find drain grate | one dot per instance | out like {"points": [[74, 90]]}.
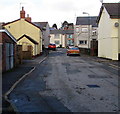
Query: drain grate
{"points": [[93, 86]]}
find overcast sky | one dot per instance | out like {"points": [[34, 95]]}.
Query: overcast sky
{"points": [[52, 11]]}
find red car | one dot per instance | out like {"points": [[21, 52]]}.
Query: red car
{"points": [[52, 46], [73, 51]]}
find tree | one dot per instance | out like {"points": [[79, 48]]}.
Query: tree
{"points": [[54, 26]]}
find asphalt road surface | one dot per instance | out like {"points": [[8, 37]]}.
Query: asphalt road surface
{"points": [[67, 84]]}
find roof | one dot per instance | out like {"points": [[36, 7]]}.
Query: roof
{"points": [[69, 31], [9, 34], [20, 19], [56, 31], [113, 10], [41, 24], [29, 38], [60, 31], [90, 20]]}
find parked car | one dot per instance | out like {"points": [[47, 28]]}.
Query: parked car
{"points": [[52, 46], [73, 51], [69, 47]]}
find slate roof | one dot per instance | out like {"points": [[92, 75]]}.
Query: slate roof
{"points": [[41, 24], [69, 31], [28, 37], [113, 10], [89, 20], [57, 31]]}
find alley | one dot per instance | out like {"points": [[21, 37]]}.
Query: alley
{"points": [[64, 83]]}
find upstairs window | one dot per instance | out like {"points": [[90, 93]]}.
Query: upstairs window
{"points": [[69, 36], [84, 29], [94, 33], [83, 42], [57, 36], [77, 29]]}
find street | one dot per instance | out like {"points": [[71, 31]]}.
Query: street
{"points": [[64, 83]]}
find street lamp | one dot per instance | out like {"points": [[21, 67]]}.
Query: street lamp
{"points": [[86, 13], [88, 28]]}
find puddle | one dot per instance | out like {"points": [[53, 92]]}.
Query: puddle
{"points": [[93, 86], [98, 76]]}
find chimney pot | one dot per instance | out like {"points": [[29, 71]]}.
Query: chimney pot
{"points": [[22, 13], [28, 18]]}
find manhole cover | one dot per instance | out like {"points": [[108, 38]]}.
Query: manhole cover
{"points": [[93, 86]]}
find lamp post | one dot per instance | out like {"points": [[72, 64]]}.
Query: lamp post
{"points": [[88, 28]]}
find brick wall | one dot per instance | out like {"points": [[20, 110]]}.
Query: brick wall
{"points": [[4, 38]]}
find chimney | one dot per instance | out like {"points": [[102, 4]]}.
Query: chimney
{"points": [[28, 18], [22, 13]]}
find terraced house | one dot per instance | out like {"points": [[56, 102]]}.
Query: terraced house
{"points": [[26, 33], [64, 36], [85, 31]]}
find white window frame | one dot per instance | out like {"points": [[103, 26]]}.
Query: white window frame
{"points": [[84, 42]]}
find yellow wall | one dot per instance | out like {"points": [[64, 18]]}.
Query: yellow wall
{"points": [[21, 27], [107, 37]]}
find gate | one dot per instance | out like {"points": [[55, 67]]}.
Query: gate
{"points": [[94, 48]]}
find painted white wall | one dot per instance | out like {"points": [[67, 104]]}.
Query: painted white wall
{"points": [[107, 37], [61, 39], [84, 36]]}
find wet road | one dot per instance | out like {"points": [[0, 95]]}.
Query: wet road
{"points": [[67, 84]]}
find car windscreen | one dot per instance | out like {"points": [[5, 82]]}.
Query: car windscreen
{"points": [[52, 44], [74, 49]]}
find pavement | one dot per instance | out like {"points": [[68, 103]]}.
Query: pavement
{"points": [[11, 77]]}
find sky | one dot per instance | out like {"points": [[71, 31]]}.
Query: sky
{"points": [[51, 11]]}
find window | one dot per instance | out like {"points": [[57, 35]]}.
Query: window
{"points": [[83, 42], [77, 29], [84, 29], [69, 36], [57, 36], [70, 42], [57, 42], [94, 33]]}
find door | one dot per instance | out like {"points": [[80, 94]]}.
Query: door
{"points": [[7, 45]]}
